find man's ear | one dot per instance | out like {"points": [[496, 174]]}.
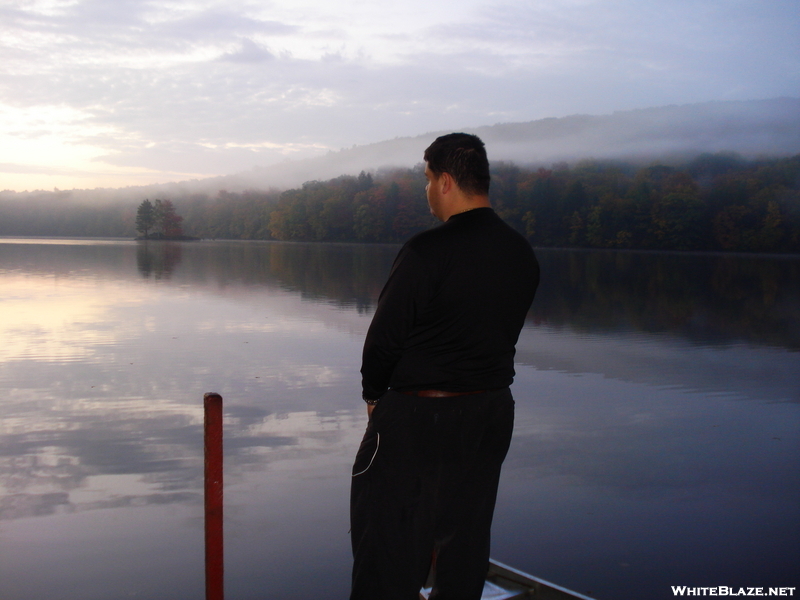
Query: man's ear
{"points": [[446, 182]]}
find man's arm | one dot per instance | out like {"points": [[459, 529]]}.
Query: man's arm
{"points": [[392, 322]]}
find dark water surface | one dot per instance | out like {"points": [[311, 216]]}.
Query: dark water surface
{"points": [[657, 440]]}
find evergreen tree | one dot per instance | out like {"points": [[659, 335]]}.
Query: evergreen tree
{"points": [[145, 217]]}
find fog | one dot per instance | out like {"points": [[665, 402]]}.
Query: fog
{"points": [[669, 134]]}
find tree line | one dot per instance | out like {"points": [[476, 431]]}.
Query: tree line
{"points": [[387, 208], [713, 202]]}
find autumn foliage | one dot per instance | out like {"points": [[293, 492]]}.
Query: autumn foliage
{"points": [[715, 202]]}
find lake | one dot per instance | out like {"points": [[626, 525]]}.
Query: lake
{"points": [[657, 437]]}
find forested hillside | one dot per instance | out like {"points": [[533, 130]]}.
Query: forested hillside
{"points": [[714, 202]]}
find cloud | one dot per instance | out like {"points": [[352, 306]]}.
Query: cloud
{"points": [[22, 168], [250, 52], [220, 23], [186, 76]]}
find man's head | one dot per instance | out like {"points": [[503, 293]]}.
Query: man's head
{"points": [[463, 157]]}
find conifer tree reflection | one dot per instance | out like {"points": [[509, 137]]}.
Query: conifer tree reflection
{"points": [[158, 259]]}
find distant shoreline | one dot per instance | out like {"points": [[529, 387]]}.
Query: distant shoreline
{"points": [[159, 237]]}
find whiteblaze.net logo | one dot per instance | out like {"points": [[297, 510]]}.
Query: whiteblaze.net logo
{"points": [[723, 590]]}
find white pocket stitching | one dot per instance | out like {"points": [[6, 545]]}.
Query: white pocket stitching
{"points": [[374, 454]]}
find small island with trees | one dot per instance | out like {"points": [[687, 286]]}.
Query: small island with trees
{"points": [[160, 221]]}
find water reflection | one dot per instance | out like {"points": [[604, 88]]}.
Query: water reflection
{"points": [[345, 275], [737, 370], [657, 418], [158, 259], [707, 299]]}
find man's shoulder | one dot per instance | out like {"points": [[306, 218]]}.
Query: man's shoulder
{"points": [[427, 240], [486, 222], [467, 229]]}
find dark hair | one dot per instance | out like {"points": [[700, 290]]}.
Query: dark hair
{"points": [[463, 157]]}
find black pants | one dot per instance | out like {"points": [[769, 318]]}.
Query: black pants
{"points": [[424, 484]]}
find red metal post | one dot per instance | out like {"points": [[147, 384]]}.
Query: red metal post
{"points": [[212, 402]]}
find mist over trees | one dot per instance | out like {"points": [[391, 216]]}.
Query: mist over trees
{"points": [[64, 214], [713, 202], [667, 134]]}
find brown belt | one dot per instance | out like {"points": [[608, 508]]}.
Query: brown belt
{"points": [[439, 393]]}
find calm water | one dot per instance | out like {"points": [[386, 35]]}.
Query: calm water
{"points": [[657, 438]]}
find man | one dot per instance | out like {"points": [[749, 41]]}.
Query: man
{"points": [[437, 363]]}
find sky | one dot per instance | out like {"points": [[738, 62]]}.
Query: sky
{"points": [[114, 93]]}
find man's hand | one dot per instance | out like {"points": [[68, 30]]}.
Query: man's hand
{"points": [[370, 408]]}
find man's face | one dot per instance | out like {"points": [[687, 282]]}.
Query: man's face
{"points": [[432, 192]]}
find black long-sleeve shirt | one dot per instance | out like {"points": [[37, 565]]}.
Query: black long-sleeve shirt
{"points": [[451, 311]]}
